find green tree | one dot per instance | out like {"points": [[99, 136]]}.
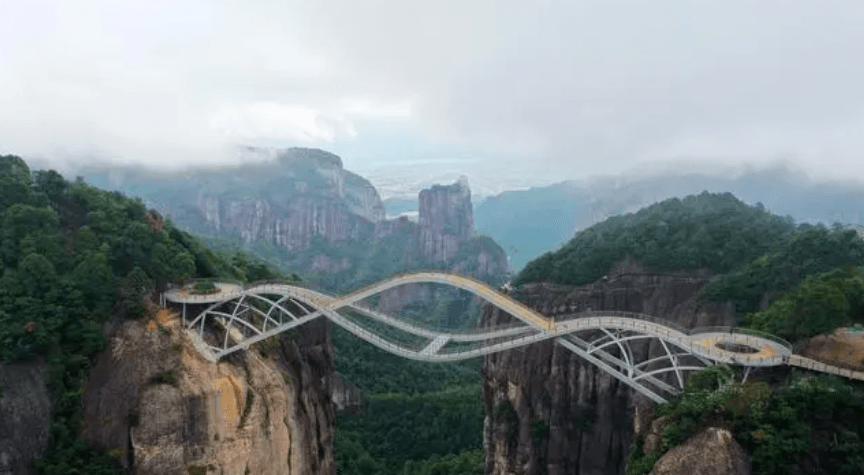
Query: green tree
{"points": [[14, 181]]}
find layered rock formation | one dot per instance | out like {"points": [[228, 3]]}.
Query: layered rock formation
{"points": [[157, 406], [446, 220], [551, 412], [288, 201], [25, 416]]}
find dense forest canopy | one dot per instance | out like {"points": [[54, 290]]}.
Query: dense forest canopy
{"points": [[811, 250], [753, 254], [71, 257], [707, 231]]}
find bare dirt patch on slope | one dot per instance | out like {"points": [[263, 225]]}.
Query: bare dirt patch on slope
{"points": [[842, 347]]}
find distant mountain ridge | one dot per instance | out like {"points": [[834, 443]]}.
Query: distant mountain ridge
{"points": [[527, 223]]}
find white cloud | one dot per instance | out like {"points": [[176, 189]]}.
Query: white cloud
{"points": [[587, 86]]}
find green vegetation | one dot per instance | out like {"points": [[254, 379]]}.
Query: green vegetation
{"points": [[71, 257], [792, 281], [469, 462], [709, 231], [375, 371], [819, 305], [806, 425], [204, 288], [433, 412], [420, 433], [811, 250], [247, 408]]}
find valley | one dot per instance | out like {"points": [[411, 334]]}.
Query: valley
{"points": [[539, 408]]}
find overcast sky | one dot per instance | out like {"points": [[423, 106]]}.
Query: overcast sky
{"points": [[592, 86]]}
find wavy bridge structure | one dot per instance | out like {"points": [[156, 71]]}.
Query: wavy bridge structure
{"points": [[235, 317]]}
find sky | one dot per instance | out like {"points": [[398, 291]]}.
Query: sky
{"points": [[571, 88]]}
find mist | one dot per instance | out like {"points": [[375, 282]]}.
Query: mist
{"points": [[588, 87]]}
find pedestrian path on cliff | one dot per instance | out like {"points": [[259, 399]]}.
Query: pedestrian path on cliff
{"points": [[234, 317]]}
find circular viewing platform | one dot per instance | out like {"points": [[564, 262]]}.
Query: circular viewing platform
{"points": [[185, 294]]}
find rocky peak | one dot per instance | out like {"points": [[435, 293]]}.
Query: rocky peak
{"points": [[446, 220]]}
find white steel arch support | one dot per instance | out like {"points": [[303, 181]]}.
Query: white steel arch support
{"points": [[615, 328]]}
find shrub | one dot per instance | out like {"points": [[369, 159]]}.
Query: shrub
{"points": [[204, 288]]}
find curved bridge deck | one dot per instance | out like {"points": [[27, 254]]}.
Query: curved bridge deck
{"points": [[242, 316]]}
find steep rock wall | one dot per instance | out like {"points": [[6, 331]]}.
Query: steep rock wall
{"points": [[25, 416], [444, 234], [291, 224], [446, 220], [164, 410], [550, 412]]}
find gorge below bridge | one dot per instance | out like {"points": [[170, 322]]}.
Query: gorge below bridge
{"points": [[235, 317]]}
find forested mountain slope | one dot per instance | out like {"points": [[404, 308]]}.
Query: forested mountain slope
{"points": [[528, 223], [708, 231], [766, 272], [72, 258]]}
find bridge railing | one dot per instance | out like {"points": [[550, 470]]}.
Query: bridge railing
{"points": [[404, 275], [677, 326], [825, 362], [212, 280], [618, 313], [832, 368], [211, 297], [743, 331]]}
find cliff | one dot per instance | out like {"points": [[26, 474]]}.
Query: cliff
{"points": [[550, 412], [317, 218], [446, 220], [441, 239], [161, 409], [25, 416]]}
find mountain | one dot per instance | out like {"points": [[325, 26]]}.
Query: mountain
{"points": [[299, 207], [528, 223], [95, 379], [700, 261]]}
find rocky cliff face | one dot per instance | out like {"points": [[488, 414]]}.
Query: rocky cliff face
{"points": [[550, 412], [318, 216], [302, 194], [161, 409], [285, 197], [446, 220], [25, 416], [442, 237]]}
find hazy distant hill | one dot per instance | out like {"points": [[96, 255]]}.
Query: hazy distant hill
{"points": [[528, 223]]}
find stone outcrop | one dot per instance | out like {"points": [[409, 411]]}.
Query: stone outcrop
{"points": [[711, 452], [446, 220], [25, 416], [654, 437], [548, 411], [160, 408], [442, 237]]}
